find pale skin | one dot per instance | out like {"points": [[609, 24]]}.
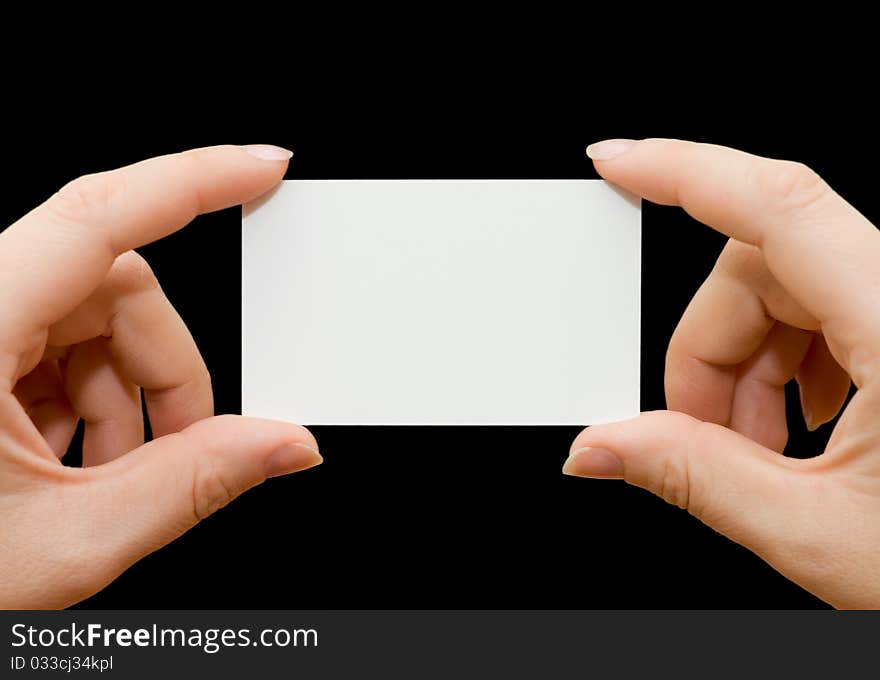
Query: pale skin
{"points": [[85, 328], [795, 294]]}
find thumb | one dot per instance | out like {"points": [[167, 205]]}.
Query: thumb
{"points": [[160, 490], [734, 485]]}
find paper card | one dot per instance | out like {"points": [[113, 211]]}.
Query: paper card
{"points": [[441, 302]]}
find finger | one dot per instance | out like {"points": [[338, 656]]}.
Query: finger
{"points": [[773, 505], [53, 257], [734, 485], [824, 385], [758, 409], [724, 325], [148, 341], [42, 396], [709, 341], [816, 245], [169, 484], [109, 404]]}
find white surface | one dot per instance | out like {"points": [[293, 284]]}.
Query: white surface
{"points": [[441, 302]]}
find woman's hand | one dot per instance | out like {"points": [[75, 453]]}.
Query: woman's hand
{"points": [[795, 294], [84, 326]]}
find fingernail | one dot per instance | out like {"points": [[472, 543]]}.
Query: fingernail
{"points": [[267, 152], [291, 457], [595, 463], [610, 148], [812, 426]]}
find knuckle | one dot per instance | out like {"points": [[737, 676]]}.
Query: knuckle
{"points": [[741, 260], [666, 421], [225, 419], [744, 263], [679, 483], [80, 199], [791, 186], [210, 490], [193, 163], [675, 482], [132, 273], [702, 489]]}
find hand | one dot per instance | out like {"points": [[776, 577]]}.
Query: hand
{"points": [[795, 294], [83, 327]]}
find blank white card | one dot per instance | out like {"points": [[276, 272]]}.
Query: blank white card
{"points": [[441, 302]]}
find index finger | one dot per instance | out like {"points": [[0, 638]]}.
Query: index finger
{"points": [[821, 249], [53, 257]]}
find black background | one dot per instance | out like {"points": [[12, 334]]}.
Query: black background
{"points": [[438, 517]]}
